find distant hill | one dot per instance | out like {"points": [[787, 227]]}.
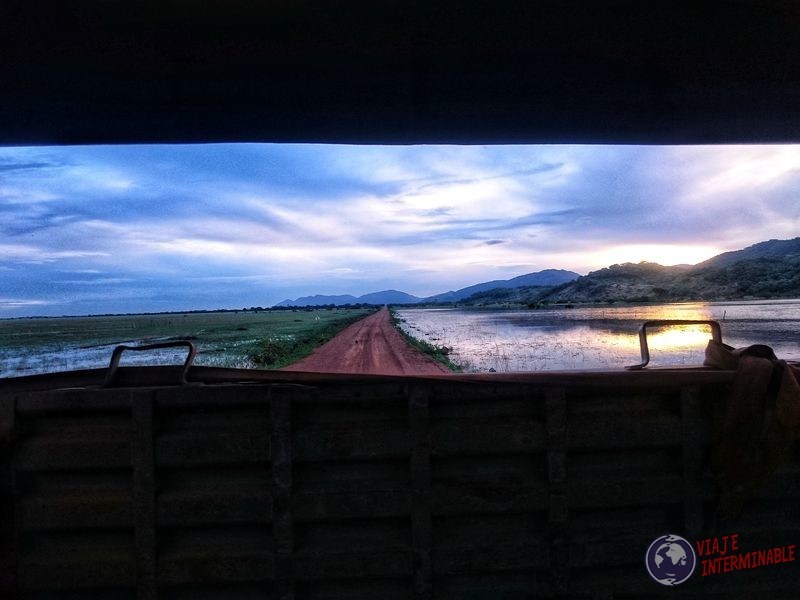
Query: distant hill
{"points": [[780, 249], [528, 294], [548, 277], [319, 300], [765, 270], [384, 297], [389, 297]]}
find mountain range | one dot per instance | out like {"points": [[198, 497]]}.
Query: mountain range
{"points": [[384, 297], [548, 277], [768, 269]]}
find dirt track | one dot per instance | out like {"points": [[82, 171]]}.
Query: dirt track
{"points": [[371, 345]]}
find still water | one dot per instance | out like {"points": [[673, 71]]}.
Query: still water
{"points": [[600, 337]]}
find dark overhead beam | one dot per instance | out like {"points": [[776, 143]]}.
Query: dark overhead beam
{"points": [[621, 71]]}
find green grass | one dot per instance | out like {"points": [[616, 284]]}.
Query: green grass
{"points": [[229, 339], [437, 353]]}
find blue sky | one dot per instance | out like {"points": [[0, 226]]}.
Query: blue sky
{"points": [[101, 229]]}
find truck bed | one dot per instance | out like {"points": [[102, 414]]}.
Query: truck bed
{"points": [[252, 484]]}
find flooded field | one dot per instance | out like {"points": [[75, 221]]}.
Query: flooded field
{"points": [[480, 340], [599, 337], [223, 339]]}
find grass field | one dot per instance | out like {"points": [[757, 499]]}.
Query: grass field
{"points": [[243, 339]]}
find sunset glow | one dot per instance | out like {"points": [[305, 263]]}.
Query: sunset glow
{"points": [[663, 254]]}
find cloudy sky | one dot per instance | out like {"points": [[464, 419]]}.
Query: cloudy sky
{"points": [[149, 228]]}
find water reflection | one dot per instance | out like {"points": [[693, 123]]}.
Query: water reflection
{"points": [[670, 339], [607, 338]]}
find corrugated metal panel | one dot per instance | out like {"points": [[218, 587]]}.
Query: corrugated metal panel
{"points": [[395, 488]]}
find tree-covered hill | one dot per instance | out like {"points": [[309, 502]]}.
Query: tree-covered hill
{"points": [[772, 249], [765, 270]]}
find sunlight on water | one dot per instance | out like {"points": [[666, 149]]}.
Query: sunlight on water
{"points": [[681, 336], [667, 339], [599, 338]]}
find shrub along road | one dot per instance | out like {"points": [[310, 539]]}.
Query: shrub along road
{"points": [[371, 346]]}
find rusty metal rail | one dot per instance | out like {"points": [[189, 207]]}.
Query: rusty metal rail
{"points": [[716, 335], [111, 374]]}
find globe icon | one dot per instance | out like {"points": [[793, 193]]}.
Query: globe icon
{"points": [[670, 560]]}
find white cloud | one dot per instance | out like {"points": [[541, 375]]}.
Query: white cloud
{"points": [[423, 218], [26, 253], [741, 169], [17, 303]]}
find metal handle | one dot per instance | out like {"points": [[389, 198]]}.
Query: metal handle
{"points": [[716, 335], [117, 355]]}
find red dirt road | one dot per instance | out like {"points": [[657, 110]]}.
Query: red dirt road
{"points": [[371, 346]]}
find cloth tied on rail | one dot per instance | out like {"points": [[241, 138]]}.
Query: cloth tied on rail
{"points": [[757, 422]]}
